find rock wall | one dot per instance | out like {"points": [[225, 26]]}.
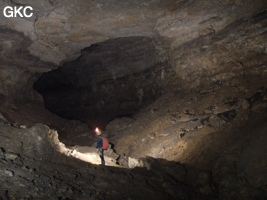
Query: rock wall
{"points": [[233, 56], [212, 134], [59, 30], [18, 71]]}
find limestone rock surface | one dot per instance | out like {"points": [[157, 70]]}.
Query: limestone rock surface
{"points": [[60, 29]]}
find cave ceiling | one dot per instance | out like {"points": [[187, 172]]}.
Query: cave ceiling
{"points": [[58, 29], [131, 51]]}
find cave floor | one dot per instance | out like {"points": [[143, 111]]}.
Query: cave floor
{"points": [[32, 169], [223, 162]]}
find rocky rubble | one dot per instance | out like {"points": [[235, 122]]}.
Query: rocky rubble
{"points": [[31, 167], [211, 142]]}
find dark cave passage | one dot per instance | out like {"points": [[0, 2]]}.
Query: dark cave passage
{"points": [[110, 79]]}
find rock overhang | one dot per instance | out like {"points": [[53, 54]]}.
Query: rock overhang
{"points": [[60, 29]]}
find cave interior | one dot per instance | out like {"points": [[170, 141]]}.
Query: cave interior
{"points": [[177, 87]]}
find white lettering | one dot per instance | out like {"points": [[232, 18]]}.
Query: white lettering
{"points": [[8, 13], [20, 11], [17, 11], [25, 13]]}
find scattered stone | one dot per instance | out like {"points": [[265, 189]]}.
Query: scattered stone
{"points": [[186, 118], [9, 173], [222, 109], [11, 156], [139, 162], [152, 135], [192, 125], [23, 126], [205, 121], [164, 134], [112, 155], [181, 135], [179, 127], [133, 162], [215, 121], [123, 160]]}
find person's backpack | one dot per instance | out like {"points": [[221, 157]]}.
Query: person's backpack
{"points": [[105, 143]]}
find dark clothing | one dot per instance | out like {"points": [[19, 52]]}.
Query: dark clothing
{"points": [[100, 150], [99, 143], [101, 154]]}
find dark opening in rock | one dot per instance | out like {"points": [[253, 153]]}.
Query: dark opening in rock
{"points": [[113, 78]]}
